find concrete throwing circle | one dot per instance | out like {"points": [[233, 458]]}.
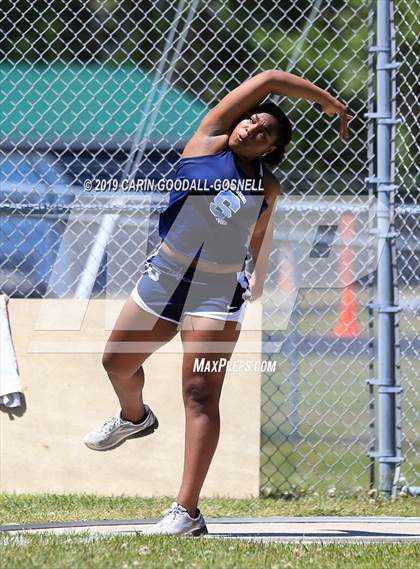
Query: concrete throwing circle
{"points": [[287, 530]]}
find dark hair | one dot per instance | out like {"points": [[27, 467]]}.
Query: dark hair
{"points": [[284, 133]]}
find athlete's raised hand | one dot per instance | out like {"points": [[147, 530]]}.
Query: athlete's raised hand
{"points": [[334, 107]]}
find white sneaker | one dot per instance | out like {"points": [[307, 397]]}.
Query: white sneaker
{"points": [[115, 431], [177, 521]]}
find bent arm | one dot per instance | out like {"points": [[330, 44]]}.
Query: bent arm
{"points": [[262, 237], [251, 93], [260, 246]]}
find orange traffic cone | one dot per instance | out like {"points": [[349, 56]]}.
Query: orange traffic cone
{"points": [[347, 325]]}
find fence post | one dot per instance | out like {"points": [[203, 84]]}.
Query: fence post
{"points": [[386, 306], [372, 276]]}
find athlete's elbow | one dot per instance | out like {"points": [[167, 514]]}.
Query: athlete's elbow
{"points": [[265, 79], [258, 236], [274, 76]]}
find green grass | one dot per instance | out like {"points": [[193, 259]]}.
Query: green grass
{"points": [[135, 552], [26, 508], [319, 309], [84, 551], [332, 443]]}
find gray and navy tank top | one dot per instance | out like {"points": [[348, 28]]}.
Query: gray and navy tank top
{"points": [[211, 216]]}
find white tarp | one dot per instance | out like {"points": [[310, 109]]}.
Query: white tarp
{"points": [[10, 384]]}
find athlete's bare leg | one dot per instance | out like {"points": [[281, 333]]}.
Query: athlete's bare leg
{"points": [[136, 335], [201, 394]]}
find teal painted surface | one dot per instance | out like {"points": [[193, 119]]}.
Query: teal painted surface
{"points": [[77, 103]]}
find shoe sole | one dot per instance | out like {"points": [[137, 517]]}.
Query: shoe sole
{"points": [[150, 429], [198, 532], [194, 533]]}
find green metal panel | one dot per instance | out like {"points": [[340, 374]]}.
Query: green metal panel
{"points": [[92, 103]]}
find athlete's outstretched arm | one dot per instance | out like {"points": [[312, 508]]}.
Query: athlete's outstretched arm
{"points": [[224, 116]]}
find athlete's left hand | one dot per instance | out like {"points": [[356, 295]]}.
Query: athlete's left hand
{"points": [[256, 288]]}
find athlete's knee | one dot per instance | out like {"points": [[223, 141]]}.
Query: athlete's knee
{"points": [[111, 362], [201, 394], [115, 364]]}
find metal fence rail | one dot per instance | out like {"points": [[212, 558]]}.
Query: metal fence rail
{"points": [[112, 90]]}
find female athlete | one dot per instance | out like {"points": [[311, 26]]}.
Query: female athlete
{"points": [[197, 274]]}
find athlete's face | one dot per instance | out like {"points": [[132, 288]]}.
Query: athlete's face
{"points": [[254, 136]]}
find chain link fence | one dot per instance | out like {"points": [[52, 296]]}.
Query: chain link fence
{"points": [[96, 92], [407, 226]]}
